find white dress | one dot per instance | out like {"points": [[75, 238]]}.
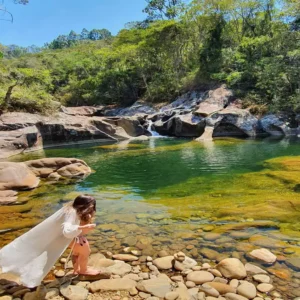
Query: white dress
{"points": [[33, 254]]}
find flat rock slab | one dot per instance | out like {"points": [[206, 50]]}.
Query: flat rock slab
{"points": [[125, 257], [118, 284], [74, 292], [158, 287]]}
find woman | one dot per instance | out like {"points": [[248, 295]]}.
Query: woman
{"points": [[33, 254]]}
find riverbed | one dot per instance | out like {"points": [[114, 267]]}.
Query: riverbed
{"points": [[211, 200]]}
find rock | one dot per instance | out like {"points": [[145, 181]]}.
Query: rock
{"points": [[63, 167], [73, 292], [163, 253], [144, 295], [222, 288], [275, 125], [231, 296], [60, 273], [209, 253], [119, 268], [180, 256], [6, 298], [264, 255], [158, 287], [134, 277], [293, 263], [247, 290], [51, 293], [190, 284], [234, 283], [265, 242], [265, 287], [119, 284], [217, 99], [125, 257], [103, 275], [232, 268], [261, 278], [22, 131], [200, 277], [8, 197], [83, 110], [208, 290], [138, 107], [215, 272], [186, 264], [211, 236], [208, 228], [254, 269], [171, 296], [177, 278], [17, 176], [164, 263]]}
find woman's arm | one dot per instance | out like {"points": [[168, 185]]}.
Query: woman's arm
{"points": [[87, 228], [69, 227]]}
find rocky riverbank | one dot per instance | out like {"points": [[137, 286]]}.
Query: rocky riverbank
{"points": [[16, 177], [130, 275], [201, 115]]}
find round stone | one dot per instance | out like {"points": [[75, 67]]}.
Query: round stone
{"points": [[265, 287], [264, 255], [208, 228], [261, 278], [200, 277], [190, 284], [247, 290], [232, 268]]}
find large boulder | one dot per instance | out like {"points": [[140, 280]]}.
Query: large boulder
{"points": [[138, 107], [217, 100], [64, 167], [131, 125], [17, 176], [83, 110], [186, 125], [275, 125], [187, 101]]}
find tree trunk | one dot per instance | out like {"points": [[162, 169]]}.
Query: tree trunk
{"points": [[8, 95]]}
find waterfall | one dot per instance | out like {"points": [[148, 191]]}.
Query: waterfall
{"points": [[149, 128]]}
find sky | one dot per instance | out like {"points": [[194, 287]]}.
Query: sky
{"points": [[41, 21]]}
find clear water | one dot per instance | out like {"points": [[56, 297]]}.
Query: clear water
{"points": [[162, 193]]}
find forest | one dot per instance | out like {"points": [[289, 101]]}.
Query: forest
{"points": [[251, 45]]}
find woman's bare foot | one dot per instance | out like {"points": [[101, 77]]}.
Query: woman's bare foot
{"points": [[90, 271]]}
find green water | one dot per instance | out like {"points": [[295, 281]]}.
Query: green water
{"points": [[162, 194]]}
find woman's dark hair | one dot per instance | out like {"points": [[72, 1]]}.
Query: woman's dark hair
{"points": [[85, 206]]}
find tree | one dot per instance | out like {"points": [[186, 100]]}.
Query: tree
{"points": [[163, 9], [84, 34]]}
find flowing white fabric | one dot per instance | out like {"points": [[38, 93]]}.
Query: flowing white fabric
{"points": [[33, 254]]}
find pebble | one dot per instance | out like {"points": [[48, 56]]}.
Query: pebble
{"points": [[247, 290], [190, 284], [265, 287], [234, 283], [144, 295], [261, 278], [172, 296], [200, 277], [264, 255], [232, 296]]}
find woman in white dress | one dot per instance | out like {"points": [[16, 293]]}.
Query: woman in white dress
{"points": [[33, 254]]}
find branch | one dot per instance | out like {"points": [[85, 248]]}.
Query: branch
{"points": [[5, 11]]}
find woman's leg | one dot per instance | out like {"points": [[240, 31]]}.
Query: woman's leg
{"points": [[83, 251]]}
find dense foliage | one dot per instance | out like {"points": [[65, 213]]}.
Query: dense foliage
{"points": [[252, 45]]}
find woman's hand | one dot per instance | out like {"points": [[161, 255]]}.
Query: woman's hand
{"points": [[87, 228]]}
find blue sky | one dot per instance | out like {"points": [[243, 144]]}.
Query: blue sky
{"points": [[41, 21]]}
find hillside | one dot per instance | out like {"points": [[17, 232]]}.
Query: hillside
{"points": [[252, 46]]}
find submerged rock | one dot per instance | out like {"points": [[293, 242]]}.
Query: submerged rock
{"points": [[264, 255]]}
